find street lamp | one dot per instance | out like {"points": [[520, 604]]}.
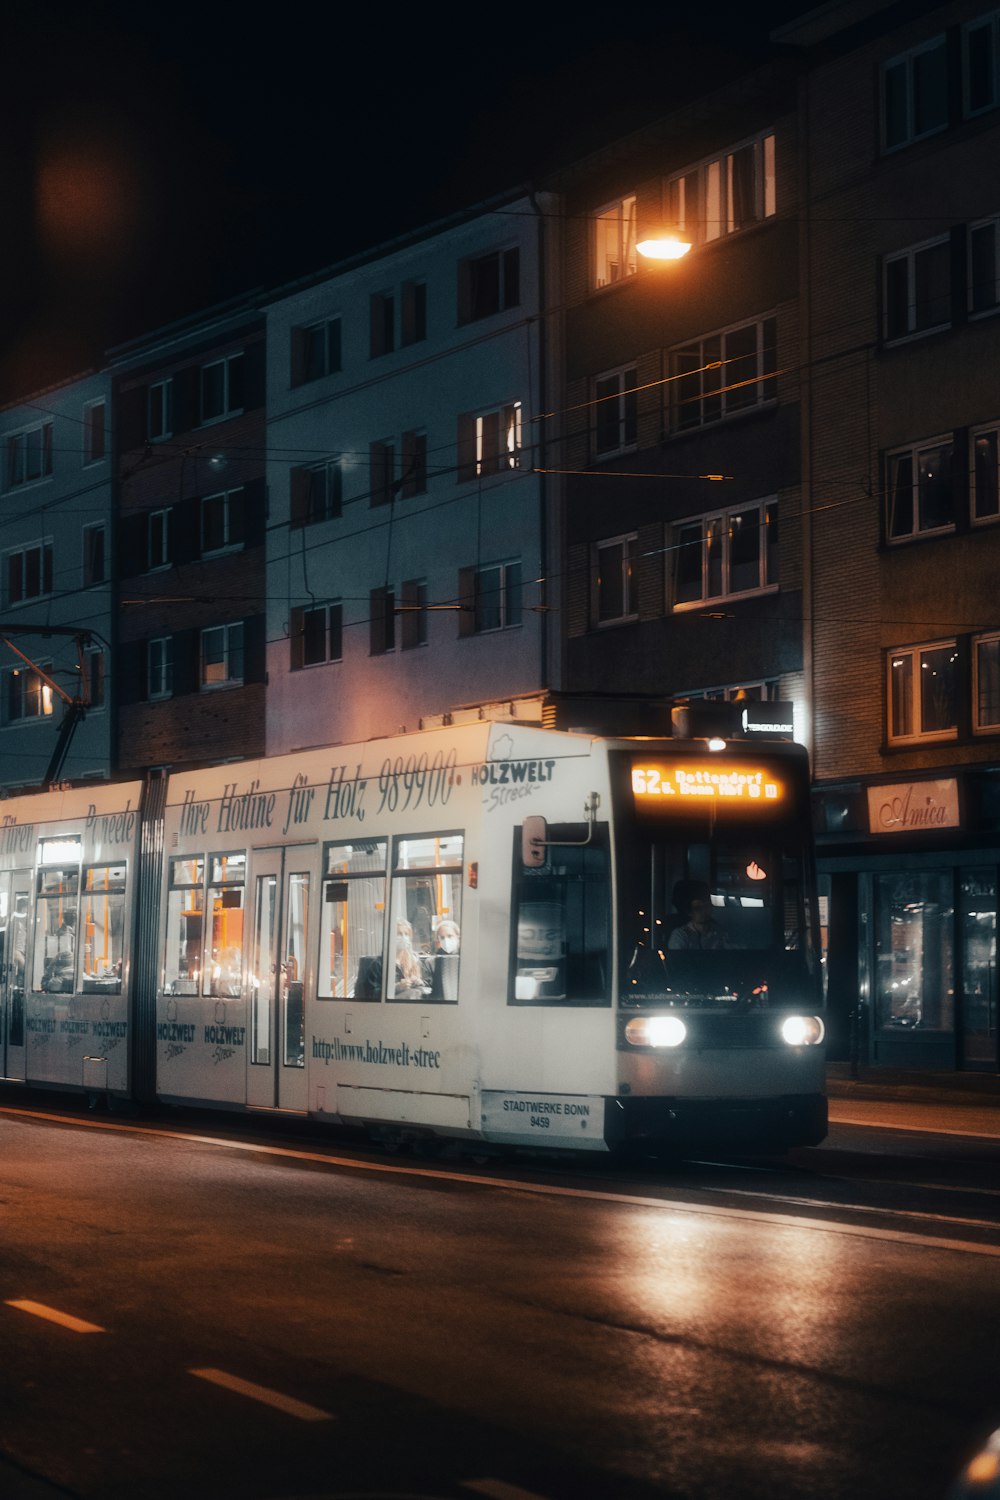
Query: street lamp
{"points": [[667, 245]]}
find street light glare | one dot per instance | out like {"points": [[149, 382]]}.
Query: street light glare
{"points": [[664, 247]]}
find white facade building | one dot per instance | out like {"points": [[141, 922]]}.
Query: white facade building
{"points": [[406, 555], [55, 572]]}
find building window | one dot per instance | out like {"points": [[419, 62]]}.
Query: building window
{"points": [[221, 522], [921, 495], [317, 636], [157, 539], [413, 479], [493, 595], [918, 290], [413, 312], [382, 471], [160, 410], [315, 351], [317, 492], [29, 573], [222, 388], [160, 667], [489, 442], [984, 267], [980, 60], [27, 696], [94, 556], [382, 621], [729, 553], [29, 455], [413, 614], [986, 683], [766, 691], [616, 579], [489, 284], [94, 432], [724, 374], [985, 474], [614, 242], [222, 656], [914, 94], [616, 412], [382, 308], [923, 692], [726, 193], [95, 678]]}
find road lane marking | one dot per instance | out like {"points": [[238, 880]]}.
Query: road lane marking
{"points": [[53, 1315], [855, 1208], [870, 1124], [498, 1489], [280, 1402], [536, 1189]]}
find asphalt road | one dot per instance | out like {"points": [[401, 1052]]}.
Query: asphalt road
{"points": [[276, 1315]]}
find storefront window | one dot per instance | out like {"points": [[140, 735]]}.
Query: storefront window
{"points": [[353, 920], [915, 967], [978, 910]]}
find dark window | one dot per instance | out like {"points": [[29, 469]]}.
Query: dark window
{"points": [[383, 323], [94, 563], [561, 916], [93, 432], [489, 284], [382, 621], [413, 312], [615, 411], [413, 608], [413, 480], [382, 468], [316, 493], [160, 410]]}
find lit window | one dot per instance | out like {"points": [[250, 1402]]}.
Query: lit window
{"points": [[923, 692], [616, 412], [616, 579], [726, 193], [222, 656], [614, 242], [921, 496], [27, 696], [724, 374], [731, 552], [914, 94], [489, 442], [918, 289]]}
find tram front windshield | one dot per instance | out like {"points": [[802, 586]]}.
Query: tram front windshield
{"points": [[714, 899]]}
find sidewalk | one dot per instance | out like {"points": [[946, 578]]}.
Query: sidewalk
{"points": [[941, 1103]]}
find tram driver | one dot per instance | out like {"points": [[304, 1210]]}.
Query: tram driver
{"points": [[698, 932]]}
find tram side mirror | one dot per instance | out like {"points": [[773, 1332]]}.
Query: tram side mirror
{"points": [[533, 838]]}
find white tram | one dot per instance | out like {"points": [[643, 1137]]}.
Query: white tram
{"points": [[493, 933]]}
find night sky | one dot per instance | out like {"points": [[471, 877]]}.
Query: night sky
{"points": [[158, 158]]}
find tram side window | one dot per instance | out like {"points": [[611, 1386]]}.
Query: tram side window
{"points": [[102, 926], [185, 922], [426, 918], [222, 971], [55, 930], [561, 914], [353, 921]]}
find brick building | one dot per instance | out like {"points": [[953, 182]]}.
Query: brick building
{"points": [[191, 496]]}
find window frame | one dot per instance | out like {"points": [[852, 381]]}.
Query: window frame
{"points": [[908, 256], [46, 568], [158, 522], [626, 398], [765, 381], [95, 435], [303, 509], [17, 454], [228, 362], [329, 334], [991, 637], [508, 275], [164, 668], [724, 518], [628, 542], [233, 520], [473, 461], [509, 593], [693, 220], [919, 736], [627, 235], [912, 451], [95, 554], [989, 21], [230, 652], [27, 678], [990, 309], [906, 59], [332, 615], [164, 391]]}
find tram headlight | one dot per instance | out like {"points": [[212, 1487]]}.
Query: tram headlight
{"points": [[802, 1031], [655, 1031]]}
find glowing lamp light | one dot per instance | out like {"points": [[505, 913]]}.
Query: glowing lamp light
{"points": [[802, 1031], [664, 247], [655, 1031]]}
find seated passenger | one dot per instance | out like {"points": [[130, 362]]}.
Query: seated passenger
{"points": [[411, 981]]}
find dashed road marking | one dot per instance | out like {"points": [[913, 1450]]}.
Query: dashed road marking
{"points": [[277, 1399], [53, 1315]]}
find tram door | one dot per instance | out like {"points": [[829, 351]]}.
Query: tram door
{"points": [[279, 978], [15, 891]]}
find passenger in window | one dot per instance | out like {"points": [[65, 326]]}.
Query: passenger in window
{"points": [[410, 977], [446, 936], [698, 931]]}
